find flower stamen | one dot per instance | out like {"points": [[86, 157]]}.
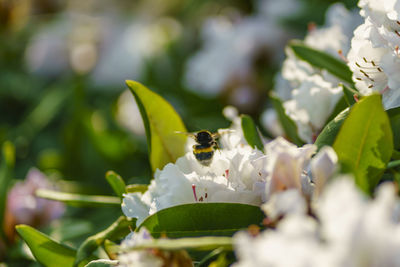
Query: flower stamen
{"points": [[340, 52], [227, 174], [194, 192]]}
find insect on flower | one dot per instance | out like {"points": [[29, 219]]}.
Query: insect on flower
{"points": [[205, 147]]}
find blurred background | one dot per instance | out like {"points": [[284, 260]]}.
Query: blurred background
{"points": [[63, 99]]}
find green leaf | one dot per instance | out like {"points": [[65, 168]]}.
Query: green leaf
{"points": [[251, 133], [102, 263], [161, 123], [210, 256], [364, 144], [330, 131], [6, 168], [221, 261], [393, 164], [395, 154], [394, 116], [116, 182], [196, 243], [51, 103], [111, 249], [200, 219], [288, 124], [118, 230], [322, 60], [78, 199], [45, 250]]}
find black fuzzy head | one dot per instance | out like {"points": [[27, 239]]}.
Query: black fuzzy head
{"points": [[204, 137]]}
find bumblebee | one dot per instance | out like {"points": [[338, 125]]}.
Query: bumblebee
{"points": [[205, 147]]}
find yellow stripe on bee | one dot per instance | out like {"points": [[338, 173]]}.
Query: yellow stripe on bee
{"points": [[203, 150]]}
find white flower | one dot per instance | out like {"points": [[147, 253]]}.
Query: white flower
{"points": [[285, 165], [374, 56], [289, 188], [230, 48], [230, 178], [323, 167], [311, 106], [315, 93], [287, 202], [233, 136], [65, 43], [127, 48], [228, 52], [270, 121], [293, 243], [361, 231], [351, 231], [332, 38], [364, 60], [140, 258]]}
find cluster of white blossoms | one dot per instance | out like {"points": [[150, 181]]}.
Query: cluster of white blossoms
{"points": [[310, 94], [105, 46], [350, 230], [374, 55], [238, 174], [137, 258], [129, 255], [230, 178], [214, 66]]}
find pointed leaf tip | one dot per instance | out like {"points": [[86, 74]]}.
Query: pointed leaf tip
{"points": [[161, 124]]}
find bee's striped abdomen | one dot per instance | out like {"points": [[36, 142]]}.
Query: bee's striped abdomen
{"points": [[203, 154]]}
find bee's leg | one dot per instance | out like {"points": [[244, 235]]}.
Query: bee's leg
{"points": [[216, 146]]}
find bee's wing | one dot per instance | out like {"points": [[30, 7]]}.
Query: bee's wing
{"points": [[192, 135], [227, 131]]}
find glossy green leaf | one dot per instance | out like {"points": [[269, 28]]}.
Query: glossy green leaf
{"points": [[288, 124], [251, 133], [161, 124], [6, 168], [102, 263], [78, 199], [118, 230], [116, 182], [364, 144], [328, 135], [322, 60], [201, 219], [45, 250], [394, 116]]}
